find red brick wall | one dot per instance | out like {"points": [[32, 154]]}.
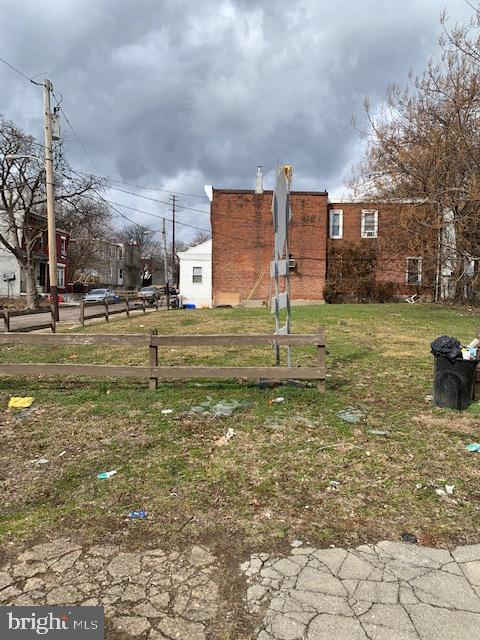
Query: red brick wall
{"points": [[242, 232], [393, 244]]}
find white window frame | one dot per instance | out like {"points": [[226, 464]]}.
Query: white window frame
{"points": [[420, 269], [63, 246], [196, 275], [119, 253], [61, 276], [120, 275], [363, 232], [334, 212]]}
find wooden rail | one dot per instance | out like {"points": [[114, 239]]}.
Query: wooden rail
{"points": [[8, 314], [154, 372], [109, 309]]}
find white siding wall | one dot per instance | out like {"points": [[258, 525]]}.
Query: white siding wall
{"points": [[8, 263], [200, 294]]}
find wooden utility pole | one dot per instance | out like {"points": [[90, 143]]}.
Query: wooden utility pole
{"points": [[165, 263], [50, 187], [174, 252]]}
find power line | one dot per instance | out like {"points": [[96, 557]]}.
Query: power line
{"points": [[77, 137], [20, 73], [138, 195]]}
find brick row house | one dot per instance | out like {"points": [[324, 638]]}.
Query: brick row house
{"points": [[12, 275], [339, 251]]}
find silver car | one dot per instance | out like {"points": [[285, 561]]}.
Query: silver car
{"points": [[100, 295]]}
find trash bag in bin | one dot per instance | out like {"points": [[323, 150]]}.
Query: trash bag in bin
{"points": [[448, 347], [453, 382]]}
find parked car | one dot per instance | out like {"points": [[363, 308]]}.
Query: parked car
{"points": [[149, 294], [100, 295]]}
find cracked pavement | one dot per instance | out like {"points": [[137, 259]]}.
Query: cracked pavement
{"points": [[387, 591]]}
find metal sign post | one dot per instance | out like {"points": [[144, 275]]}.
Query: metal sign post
{"points": [[279, 270]]}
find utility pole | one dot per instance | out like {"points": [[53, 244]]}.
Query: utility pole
{"points": [[165, 264], [174, 253], [50, 187]]}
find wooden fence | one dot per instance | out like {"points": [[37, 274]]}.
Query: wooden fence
{"points": [[154, 372], [8, 314]]}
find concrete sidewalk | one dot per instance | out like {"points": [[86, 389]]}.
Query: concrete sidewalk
{"points": [[390, 591]]}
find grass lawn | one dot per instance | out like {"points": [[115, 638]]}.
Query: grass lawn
{"points": [[271, 483]]}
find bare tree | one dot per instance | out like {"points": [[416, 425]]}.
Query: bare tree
{"points": [[88, 223], [199, 238], [23, 198], [143, 237], [424, 155]]}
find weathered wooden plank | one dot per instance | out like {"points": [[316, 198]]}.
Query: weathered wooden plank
{"points": [[90, 370], [166, 373], [33, 327], [14, 313], [76, 339], [241, 339], [95, 315]]}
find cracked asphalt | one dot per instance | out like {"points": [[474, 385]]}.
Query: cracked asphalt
{"points": [[387, 591]]}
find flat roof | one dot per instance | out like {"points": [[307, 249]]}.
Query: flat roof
{"points": [[270, 192]]}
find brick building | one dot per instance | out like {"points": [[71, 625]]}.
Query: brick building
{"points": [[340, 250]]}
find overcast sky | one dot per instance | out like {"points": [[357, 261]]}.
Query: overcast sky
{"points": [[174, 94]]}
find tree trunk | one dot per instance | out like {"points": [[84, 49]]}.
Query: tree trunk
{"points": [[33, 299]]}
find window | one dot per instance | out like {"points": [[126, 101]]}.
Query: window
{"points": [[61, 276], [63, 246], [336, 223], [197, 275], [120, 276], [120, 253], [369, 227], [413, 274]]}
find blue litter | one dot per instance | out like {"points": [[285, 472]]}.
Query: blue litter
{"points": [[189, 305], [137, 515], [474, 446]]}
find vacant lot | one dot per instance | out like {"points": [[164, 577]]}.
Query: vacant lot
{"points": [[271, 483]]}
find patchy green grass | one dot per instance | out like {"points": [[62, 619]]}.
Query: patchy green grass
{"points": [[271, 483]]}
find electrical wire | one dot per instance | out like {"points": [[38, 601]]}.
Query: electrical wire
{"points": [[20, 73], [77, 137]]}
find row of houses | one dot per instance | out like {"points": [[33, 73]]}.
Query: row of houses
{"points": [[114, 265], [339, 251]]}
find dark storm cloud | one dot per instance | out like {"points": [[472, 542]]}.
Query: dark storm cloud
{"points": [[178, 93]]}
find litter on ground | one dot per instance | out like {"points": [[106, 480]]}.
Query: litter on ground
{"points": [[409, 537], [221, 442], [42, 461], [166, 411], [278, 400], [377, 432], [296, 543], [351, 415], [137, 515], [473, 446], [222, 409], [104, 475], [19, 402]]}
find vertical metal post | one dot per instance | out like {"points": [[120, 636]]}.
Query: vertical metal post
{"points": [[153, 355], [106, 310], [82, 313]]}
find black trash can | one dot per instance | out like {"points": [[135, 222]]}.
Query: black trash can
{"points": [[453, 382]]}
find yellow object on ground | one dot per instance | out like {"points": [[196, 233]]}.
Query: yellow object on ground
{"points": [[19, 402]]}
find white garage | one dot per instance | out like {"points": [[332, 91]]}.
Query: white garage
{"points": [[195, 285]]}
